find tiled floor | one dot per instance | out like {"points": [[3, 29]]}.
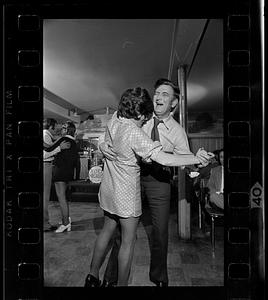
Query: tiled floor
{"points": [[190, 262]]}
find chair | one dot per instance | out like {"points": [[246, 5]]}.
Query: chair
{"points": [[212, 212], [201, 193]]}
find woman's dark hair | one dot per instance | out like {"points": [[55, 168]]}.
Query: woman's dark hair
{"points": [[164, 81], [49, 122], [217, 155], [135, 102]]}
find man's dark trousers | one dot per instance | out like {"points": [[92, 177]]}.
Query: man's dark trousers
{"points": [[157, 194]]}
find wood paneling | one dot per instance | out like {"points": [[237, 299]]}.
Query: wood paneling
{"points": [[209, 142]]}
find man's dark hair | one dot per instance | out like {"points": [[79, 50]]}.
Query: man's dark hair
{"points": [[135, 102], [70, 128], [164, 81], [49, 122]]}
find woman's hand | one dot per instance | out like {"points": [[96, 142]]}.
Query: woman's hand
{"points": [[107, 151]]}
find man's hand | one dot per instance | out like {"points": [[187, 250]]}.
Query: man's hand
{"points": [[65, 145], [204, 157], [107, 151]]}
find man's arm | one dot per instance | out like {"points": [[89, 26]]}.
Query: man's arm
{"points": [[180, 142], [173, 160], [50, 147], [47, 155], [63, 145], [181, 146]]}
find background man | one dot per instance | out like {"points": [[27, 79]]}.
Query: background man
{"points": [[49, 131]]}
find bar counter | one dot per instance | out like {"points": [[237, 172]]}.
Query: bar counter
{"points": [[79, 191], [82, 190]]}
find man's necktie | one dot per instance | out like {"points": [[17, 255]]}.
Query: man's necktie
{"points": [[155, 133], [154, 169]]}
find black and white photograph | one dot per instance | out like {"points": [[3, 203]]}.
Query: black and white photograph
{"points": [[133, 152]]}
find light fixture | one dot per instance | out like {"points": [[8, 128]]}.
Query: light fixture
{"points": [[73, 112]]}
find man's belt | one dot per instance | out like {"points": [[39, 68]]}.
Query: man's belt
{"points": [[159, 172]]}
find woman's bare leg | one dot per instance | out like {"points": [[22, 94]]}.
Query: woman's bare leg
{"points": [[129, 229], [60, 187], [101, 245]]}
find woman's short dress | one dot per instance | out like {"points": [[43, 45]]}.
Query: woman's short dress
{"points": [[120, 191], [65, 162]]}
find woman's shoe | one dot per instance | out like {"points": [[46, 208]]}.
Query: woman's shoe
{"points": [[70, 221], [92, 281], [62, 228]]}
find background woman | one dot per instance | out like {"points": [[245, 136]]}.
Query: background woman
{"points": [[63, 171]]}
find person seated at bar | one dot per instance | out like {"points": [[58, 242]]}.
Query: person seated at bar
{"points": [[216, 182], [197, 174]]}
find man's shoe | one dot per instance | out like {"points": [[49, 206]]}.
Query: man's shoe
{"points": [[108, 284], [92, 281], [161, 284]]}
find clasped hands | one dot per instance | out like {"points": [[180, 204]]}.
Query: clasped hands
{"points": [[204, 157]]}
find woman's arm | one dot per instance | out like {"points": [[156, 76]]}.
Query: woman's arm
{"points": [[107, 151], [106, 146], [175, 160]]}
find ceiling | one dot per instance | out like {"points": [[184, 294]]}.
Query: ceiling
{"points": [[89, 63]]}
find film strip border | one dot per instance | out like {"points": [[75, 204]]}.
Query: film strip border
{"points": [[237, 151], [23, 106], [23, 144], [243, 148]]}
